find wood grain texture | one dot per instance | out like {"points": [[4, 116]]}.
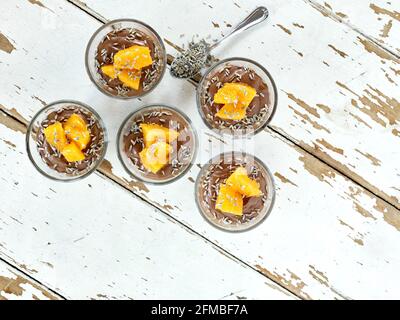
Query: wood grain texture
{"points": [[94, 240], [350, 76], [378, 19], [14, 285], [326, 237]]}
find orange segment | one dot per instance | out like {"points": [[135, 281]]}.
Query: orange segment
{"points": [[226, 94], [235, 93], [80, 138], [72, 153], [135, 57], [76, 130], [130, 78], [75, 121], [231, 112], [229, 201], [156, 156], [154, 132], [109, 71], [240, 182], [246, 93], [55, 135]]}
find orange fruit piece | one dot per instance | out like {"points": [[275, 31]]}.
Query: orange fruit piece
{"points": [[156, 156], [109, 71], [241, 183], [246, 93], [229, 200], [75, 121], [235, 93], [135, 57], [55, 135], [80, 138], [76, 130], [130, 78], [72, 153], [231, 112], [226, 94], [154, 132]]}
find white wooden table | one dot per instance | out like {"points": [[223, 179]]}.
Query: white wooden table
{"points": [[333, 147]]}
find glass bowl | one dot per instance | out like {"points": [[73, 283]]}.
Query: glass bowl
{"points": [[47, 160], [215, 172], [130, 143], [261, 109], [136, 29]]}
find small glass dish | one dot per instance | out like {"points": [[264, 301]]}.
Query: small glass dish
{"points": [[215, 172], [261, 109], [117, 35], [47, 159], [130, 143]]}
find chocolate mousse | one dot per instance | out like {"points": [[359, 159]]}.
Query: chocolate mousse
{"points": [[216, 176], [257, 112], [122, 39], [89, 152], [178, 138]]}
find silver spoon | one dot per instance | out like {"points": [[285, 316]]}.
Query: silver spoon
{"points": [[190, 62]]}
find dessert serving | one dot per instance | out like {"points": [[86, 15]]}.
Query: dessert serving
{"points": [[157, 144], [237, 96], [66, 140], [234, 191], [125, 59]]}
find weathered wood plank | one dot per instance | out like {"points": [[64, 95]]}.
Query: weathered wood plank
{"points": [[317, 217], [94, 240], [378, 19], [342, 85], [14, 285]]}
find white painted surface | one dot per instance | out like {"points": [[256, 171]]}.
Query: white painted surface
{"points": [[378, 19], [306, 77], [92, 239], [16, 286], [316, 241]]}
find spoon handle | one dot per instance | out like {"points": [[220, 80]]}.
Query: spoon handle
{"points": [[255, 17]]}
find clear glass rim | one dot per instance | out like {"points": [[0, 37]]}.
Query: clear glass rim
{"points": [[141, 109], [215, 66], [110, 23], [250, 226], [30, 129]]}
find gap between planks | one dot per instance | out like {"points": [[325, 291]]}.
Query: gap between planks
{"points": [[51, 294], [306, 148], [334, 16], [106, 174], [323, 10]]}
